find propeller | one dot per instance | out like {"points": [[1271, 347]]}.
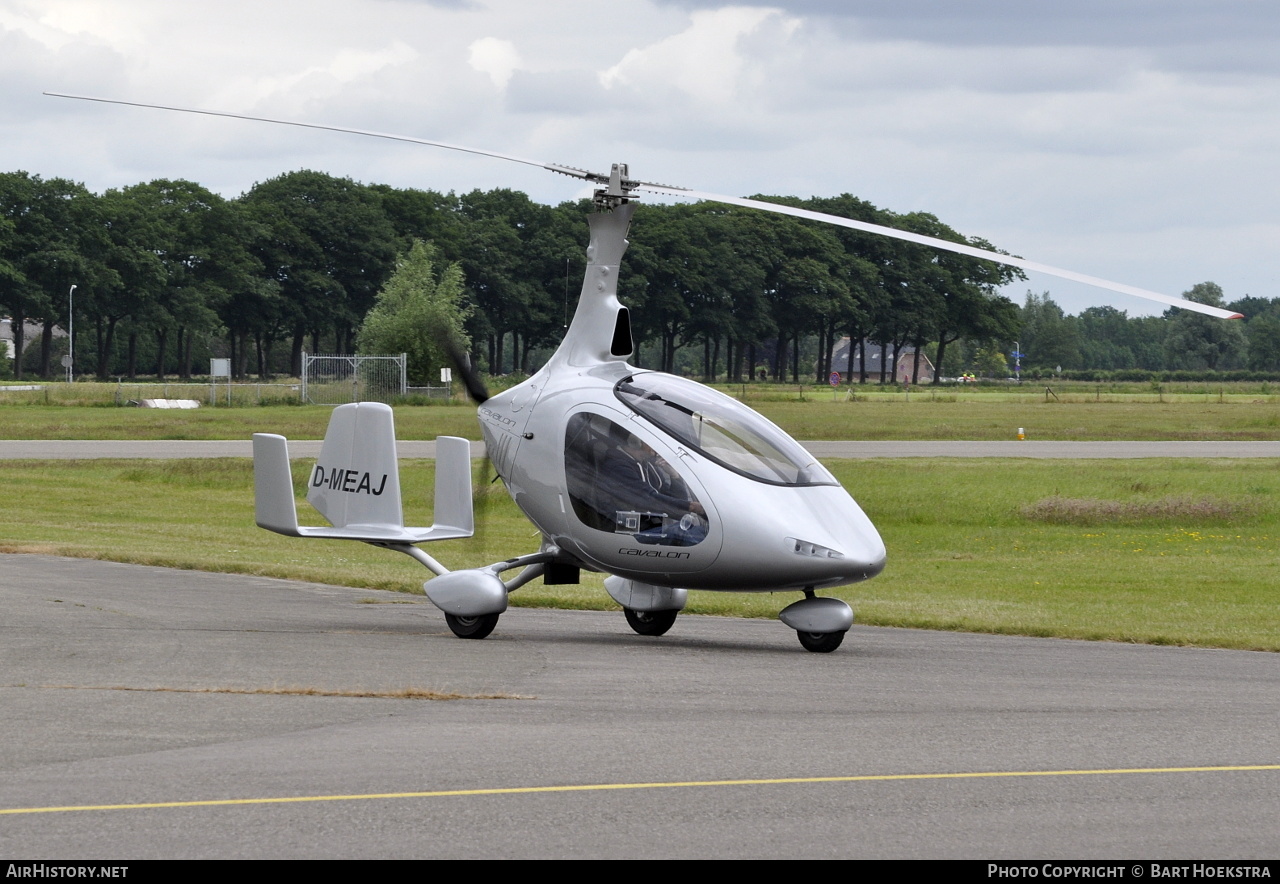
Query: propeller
{"points": [[461, 360], [483, 498], [617, 187]]}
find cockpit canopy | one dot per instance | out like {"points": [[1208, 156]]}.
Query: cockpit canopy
{"points": [[721, 429], [617, 483]]}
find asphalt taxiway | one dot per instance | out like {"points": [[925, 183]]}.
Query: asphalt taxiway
{"points": [[159, 713]]}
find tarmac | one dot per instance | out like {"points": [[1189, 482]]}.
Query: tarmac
{"points": [[151, 713]]}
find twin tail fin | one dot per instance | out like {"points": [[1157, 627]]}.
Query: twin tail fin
{"points": [[355, 483]]}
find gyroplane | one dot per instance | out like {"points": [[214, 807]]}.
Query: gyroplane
{"points": [[661, 483]]}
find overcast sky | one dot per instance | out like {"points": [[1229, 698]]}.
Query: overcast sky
{"points": [[1137, 140]]}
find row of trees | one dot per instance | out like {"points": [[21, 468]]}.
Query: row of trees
{"points": [[169, 266], [166, 264], [1106, 339], [167, 273]]}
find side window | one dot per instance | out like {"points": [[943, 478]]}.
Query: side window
{"points": [[619, 484]]}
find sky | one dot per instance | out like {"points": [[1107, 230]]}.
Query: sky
{"points": [[1135, 140]]}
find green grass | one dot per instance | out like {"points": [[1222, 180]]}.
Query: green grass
{"points": [[1169, 551], [1159, 551], [965, 415], [979, 418], [297, 422]]}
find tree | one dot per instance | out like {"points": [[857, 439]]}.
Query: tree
{"points": [[1048, 336], [1104, 336], [867, 258], [990, 362], [1264, 339], [514, 253], [417, 312], [328, 244], [966, 301], [807, 284], [53, 238], [676, 267], [1196, 341], [1250, 306]]}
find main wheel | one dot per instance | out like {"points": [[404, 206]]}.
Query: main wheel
{"points": [[821, 642], [650, 622], [471, 627]]}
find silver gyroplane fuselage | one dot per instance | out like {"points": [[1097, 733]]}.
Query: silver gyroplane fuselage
{"points": [[660, 482]]}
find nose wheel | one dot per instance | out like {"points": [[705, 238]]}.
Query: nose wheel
{"points": [[471, 627], [821, 642], [820, 623], [650, 622]]}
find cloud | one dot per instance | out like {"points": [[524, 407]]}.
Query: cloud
{"points": [[343, 68], [497, 58], [57, 23], [562, 93], [703, 62], [1135, 23], [1074, 134]]}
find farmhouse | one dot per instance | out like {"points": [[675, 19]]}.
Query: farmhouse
{"points": [[902, 371]]}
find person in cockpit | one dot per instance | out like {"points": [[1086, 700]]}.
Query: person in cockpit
{"points": [[649, 498]]}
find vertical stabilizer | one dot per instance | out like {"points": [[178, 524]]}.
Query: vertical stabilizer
{"points": [[273, 485], [356, 481], [453, 510]]}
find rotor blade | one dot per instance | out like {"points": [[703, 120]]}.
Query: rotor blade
{"points": [[629, 185], [551, 167], [959, 248]]}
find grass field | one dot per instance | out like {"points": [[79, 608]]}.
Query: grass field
{"points": [[1163, 551], [1191, 414], [296, 422]]}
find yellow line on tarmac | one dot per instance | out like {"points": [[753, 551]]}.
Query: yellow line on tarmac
{"points": [[606, 787]]}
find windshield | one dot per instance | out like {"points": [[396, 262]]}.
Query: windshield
{"points": [[722, 429]]}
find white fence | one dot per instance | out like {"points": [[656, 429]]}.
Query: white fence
{"points": [[336, 380]]}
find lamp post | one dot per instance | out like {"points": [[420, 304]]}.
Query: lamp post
{"points": [[71, 334]]}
